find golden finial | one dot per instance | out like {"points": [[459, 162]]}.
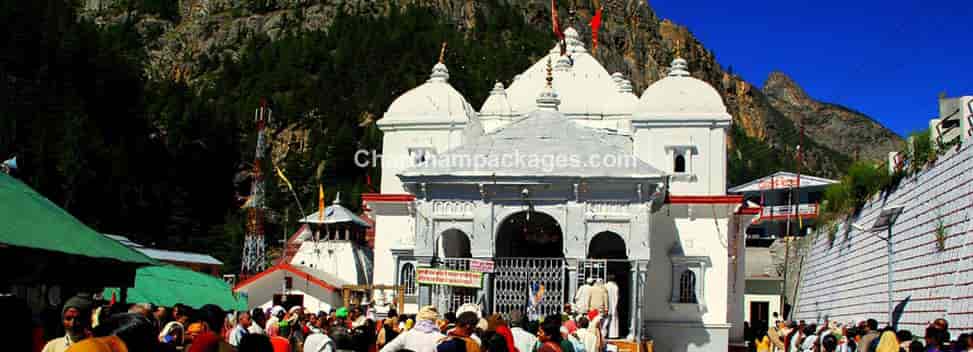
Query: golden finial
{"points": [[550, 78], [442, 52]]}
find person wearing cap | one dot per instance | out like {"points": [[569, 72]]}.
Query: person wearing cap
{"points": [[459, 339], [276, 314], [423, 337], [76, 318], [340, 332]]}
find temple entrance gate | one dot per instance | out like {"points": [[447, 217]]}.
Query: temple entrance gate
{"points": [[530, 272], [535, 286], [453, 253], [450, 298]]}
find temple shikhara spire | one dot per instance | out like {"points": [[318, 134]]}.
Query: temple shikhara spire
{"points": [[526, 197]]}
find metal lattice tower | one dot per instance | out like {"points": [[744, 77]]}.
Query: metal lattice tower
{"points": [[254, 252]]}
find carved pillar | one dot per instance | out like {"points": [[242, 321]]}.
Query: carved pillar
{"points": [[487, 291], [572, 288], [425, 292]]}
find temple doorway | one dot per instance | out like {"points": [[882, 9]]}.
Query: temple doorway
{"points": [[529, 234], [452, 252], [529, 265], [610, 247]]}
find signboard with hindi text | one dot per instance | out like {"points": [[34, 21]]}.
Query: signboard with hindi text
{"points": [[482, 266], [430, 276]]}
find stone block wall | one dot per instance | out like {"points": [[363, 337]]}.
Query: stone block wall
{"points": [[844, 277]]}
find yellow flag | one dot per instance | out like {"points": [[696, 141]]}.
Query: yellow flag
{"points": [[284, 178], [320, 203], [800, 219]]}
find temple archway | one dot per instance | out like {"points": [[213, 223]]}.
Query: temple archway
{"points": [[610, 246], [529, 234], [453, 243]]}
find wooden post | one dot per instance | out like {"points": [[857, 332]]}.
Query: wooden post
{"points": [[400, 296]]}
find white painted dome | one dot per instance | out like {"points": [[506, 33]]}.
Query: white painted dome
{"points": [[680, 95], [622, 105], [584, 86], [497, 103], [435, 101]]}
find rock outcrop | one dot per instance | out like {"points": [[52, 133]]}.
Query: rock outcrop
{"points": [[633, 40]]}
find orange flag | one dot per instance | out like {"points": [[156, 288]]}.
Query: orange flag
{"points": [[555, 23], [320, 203], [595, 25], [556, 26]]}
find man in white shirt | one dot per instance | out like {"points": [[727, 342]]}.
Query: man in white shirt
{"points": [[240, 330], [587, 337], [423, 337], [257, 320], [76, 318], [523, 340], [318, 340]]}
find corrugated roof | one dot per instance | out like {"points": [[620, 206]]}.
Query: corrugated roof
{"points": [[124, 240], [335, 214], [177, 256], [167, 255]]}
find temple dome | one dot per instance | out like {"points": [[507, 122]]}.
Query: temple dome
{"points": [[497, 103], [680, 95], [435, 101], [584, 86]]}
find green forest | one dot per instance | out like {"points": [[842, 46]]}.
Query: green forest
{"points": [[166, 163]]}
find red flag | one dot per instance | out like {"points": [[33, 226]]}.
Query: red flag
{"points": [[595, 25], [112, 302], [555, 23]]}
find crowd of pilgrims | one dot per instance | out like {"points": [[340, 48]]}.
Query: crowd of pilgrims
{"points": [[96, 326], [863, 336]]}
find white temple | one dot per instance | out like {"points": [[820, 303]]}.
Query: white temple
{"points": [[563, 178]]}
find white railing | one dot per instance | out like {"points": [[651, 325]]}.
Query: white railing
{"points": [[783, 211]]}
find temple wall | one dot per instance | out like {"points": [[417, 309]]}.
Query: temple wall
{"points": [[846, 280]]}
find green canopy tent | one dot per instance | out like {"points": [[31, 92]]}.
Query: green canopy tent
{"points": [[166, 285], [40, 243]]}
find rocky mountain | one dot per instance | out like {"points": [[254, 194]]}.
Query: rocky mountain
{"points": [[191, 42], [844, 129]]}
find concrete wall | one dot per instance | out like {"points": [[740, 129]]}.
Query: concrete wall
{"points": [[774, 307], [397, 140], [688, 337], [846, 280], [261, 292], [706, 165], [688, 327], [391, 231], [339, 258]]}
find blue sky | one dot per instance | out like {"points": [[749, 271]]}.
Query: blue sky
{"points": [[887, 59]]}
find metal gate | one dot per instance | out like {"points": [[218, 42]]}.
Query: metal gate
{"points": [[450, 298], [516, 280], [591, 269]]}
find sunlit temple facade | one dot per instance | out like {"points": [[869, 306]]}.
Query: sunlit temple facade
{"points": [[567, 179]]}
